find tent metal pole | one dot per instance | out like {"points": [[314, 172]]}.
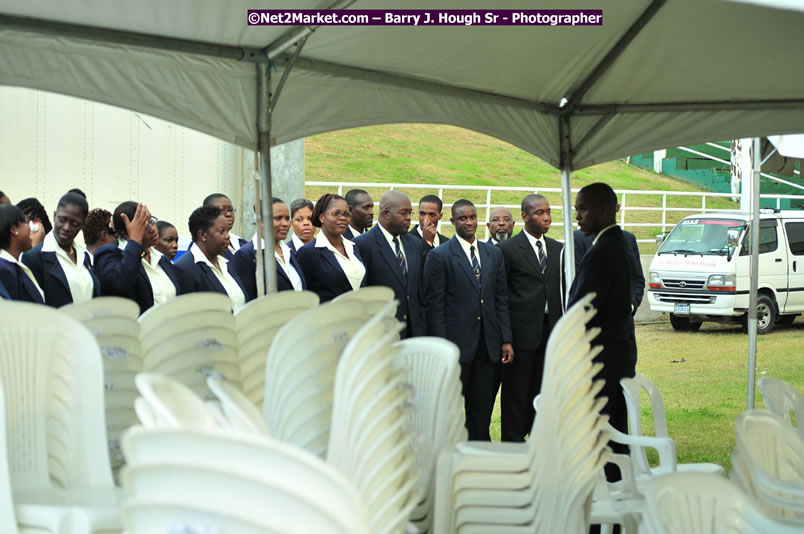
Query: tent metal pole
{"points": [[753, 295], [656, 107], [569, 241], [264, 147]]}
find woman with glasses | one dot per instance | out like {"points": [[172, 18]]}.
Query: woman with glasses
{"points": [[331, 264], [60, 265], [203, 267], [98, 231], [132, 267], [16, 279]]}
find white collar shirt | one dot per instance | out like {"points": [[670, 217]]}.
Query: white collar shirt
{"points": [[284, 264], [234, 242], [161, 284], [298, 243], [390, 239], [229, 284], [600, 233], [533, 240], [6, 255], [466, 245], [355, 231], [78, 278], [436, 240], [353, 268]]}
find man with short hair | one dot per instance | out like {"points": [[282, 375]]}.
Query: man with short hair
{"points": [[362, 208], [500, 225], [606, 271], [4, 199], [392, 258], [533, 273], [466, 299], [223, 202], [429, 216]]}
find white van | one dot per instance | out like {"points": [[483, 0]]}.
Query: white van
{"points": [[701, 270]]}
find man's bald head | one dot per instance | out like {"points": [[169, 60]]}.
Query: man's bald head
{"points": [[395, 212], [392, 199]]}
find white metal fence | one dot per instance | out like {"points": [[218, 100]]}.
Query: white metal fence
{"points": [[632, 202]]}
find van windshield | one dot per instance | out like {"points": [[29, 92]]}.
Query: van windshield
{"points": [[700, 236]]}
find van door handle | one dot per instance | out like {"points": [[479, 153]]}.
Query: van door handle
{"points": [[778, 260], [794, 266]]}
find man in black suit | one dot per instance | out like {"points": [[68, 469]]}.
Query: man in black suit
{"points": [[362, 208], [393, 259], [606, 271], [467, 301], [533, 273], [500, 225], [430, 214]]}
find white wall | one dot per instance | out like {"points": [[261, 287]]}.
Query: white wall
{"points": [[50, 143]]}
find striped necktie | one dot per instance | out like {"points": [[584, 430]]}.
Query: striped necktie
{"points": [[475, 263], [403, 265], [542, 256]]}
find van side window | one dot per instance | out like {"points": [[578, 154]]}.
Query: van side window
{"points": [[795, 236], [768, 241]]}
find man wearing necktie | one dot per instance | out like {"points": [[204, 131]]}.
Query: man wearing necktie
{"points": [[533, 274], [393, 258], [466, 299]]}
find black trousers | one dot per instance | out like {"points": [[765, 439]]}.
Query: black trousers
{"points": [[521, 382], [617, 411], [480, 380]]}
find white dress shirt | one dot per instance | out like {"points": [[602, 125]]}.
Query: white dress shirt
{"points": [[532, 240], [465, 246], [78, 278], [284, 264], [234, 242], [390, 239], [353, 268], [436, 240], [355, 231], [229, 284], [298, 243], [161, 284], [6, 255]]}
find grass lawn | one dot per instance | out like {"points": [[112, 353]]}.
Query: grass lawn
{"points": [[702, 376], [447, 155]]}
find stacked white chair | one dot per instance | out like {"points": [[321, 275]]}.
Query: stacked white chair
{"points": [[191, 338], [257, 323], [167, 402], [371, 441], [238, 409], [704, 503], [113, 322], [438, 420], [546, 484], [768, 463], [784, 400], [373, 298], [300, 373], [52, 371], [8, 519], [642, 469]]}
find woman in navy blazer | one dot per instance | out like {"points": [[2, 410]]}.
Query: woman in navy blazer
{"points": [[15, 238], [332, 265], [203, 267], [244, 263], [120, 266], [58, 251]]}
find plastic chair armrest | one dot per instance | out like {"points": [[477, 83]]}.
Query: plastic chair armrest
{"points": [[666, 447]]}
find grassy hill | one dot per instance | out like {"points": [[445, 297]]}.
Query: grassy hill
{"points": [[447, 155]]}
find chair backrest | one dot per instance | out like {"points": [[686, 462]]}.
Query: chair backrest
{"points": [[170, 403], [373, 298], [53, 376], [8, 519], [680, 503], [238, 409], [784, 400], [632, 391]]}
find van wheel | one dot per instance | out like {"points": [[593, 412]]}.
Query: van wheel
{"points": [[766, 315], [683, 324]]}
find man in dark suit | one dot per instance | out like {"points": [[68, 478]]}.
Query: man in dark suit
{"points": [[533, 273], [606, 271], [429, 215], [501, 225], [362, 208], [393, 259], [467, 300]]}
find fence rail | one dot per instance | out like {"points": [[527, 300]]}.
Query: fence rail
{"points": [[630, 205]]}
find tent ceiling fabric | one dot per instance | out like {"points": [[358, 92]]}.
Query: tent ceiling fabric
{"points": [[503, 81]]}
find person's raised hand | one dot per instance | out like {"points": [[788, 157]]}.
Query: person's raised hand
{"points": [[137, 227], [428, 229]]}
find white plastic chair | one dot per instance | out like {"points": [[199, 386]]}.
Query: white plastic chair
{"points": [[546, 484], [57, 451], [683, 503], [113, 322], [783, 399], [257, 323], [373, 299], [768, 462], [8, 519], [170, 403], [237, 408], [631, 390]]}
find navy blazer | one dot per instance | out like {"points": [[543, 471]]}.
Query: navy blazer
{"points": [[198, 277], [4, 293], [458, 305], [17, 284], [244, 266], [121, 273], [382, 269], [50, 276], [606, 270], [323, 273]]}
